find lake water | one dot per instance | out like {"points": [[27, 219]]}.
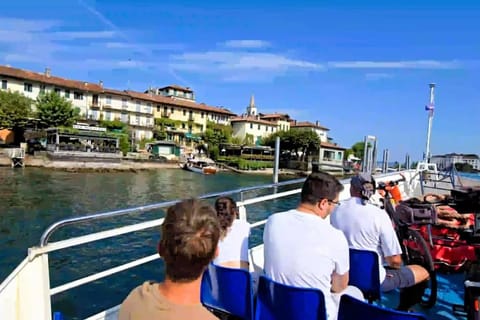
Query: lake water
{"points": [[31, 199]]}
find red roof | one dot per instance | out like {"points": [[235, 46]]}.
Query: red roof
{"points": [[252, 119], [274, 116], [57, 81], [307, 124], [92, 87], [177, 87], [331, 146], [178, 102]]}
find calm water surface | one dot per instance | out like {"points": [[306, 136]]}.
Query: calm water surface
{"points": [[32, 199]]}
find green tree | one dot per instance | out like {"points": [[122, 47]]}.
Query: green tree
{"points": [[214, 135], [15, 108], [358, 149], [55, 111], [115, 125], [295, 141]]}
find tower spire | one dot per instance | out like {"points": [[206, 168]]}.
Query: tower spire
{"points": [[252, 109]]}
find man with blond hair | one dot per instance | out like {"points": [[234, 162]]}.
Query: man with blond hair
{"points": [[188, 243]]}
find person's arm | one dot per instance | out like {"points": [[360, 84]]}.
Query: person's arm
{"points": [[394, 262], [389, 244], [342, 264], [339, 282]]}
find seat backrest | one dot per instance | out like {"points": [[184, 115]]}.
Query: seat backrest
{"points": [[228, 290], [364, 273], [352, 309], [277, 301]]}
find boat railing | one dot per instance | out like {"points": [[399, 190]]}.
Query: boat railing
{"points": [[36, 265], [26, 293]]}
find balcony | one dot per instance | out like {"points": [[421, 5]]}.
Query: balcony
{"points": [[95, 105], [165, 114]]}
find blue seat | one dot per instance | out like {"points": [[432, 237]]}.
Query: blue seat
{"points": [[353, 309], [228, 290], [276, 301], [364, 273]]}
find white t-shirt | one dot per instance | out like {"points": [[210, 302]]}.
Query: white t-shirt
{"points": [[367, 227], [234, 247], [303, 250]]}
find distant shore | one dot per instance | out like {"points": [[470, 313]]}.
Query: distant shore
{"points": [[123, 165]]}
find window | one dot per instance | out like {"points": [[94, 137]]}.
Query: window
{"points": [[42, 88], [27, 87], [184, 112], [251, 125], [183, 125], [259, 127], [171, 110], [77, 95], [57, 91], [4, 84], [139, 106], [67, 93], [124, 102], [203, 114], [158, 108], [108, 116], [108, 99]]}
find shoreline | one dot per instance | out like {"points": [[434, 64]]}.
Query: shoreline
{"points": [[124, 166]]}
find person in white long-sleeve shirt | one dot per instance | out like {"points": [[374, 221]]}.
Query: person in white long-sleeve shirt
{"points": [[234, 233]]}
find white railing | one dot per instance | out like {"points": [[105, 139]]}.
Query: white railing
{"points": [[32, 276]]}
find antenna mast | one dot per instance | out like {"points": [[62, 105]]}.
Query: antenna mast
{"points": [[430, 108]]}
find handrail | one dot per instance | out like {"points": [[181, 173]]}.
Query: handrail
{"points": [[117, 231], [70, 221]]}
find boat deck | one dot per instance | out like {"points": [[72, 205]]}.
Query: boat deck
{"points": [[125, 257]]}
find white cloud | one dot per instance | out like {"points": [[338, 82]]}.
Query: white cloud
{"points": [[154, 47], [76, 35], [246, 44], [407, 64], [240, 65], [378, 76]]}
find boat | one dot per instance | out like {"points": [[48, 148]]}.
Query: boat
{"points": [[201, 165], [27, 293]]}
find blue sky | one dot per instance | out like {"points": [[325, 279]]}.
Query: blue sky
{"points": [[357, 69]]}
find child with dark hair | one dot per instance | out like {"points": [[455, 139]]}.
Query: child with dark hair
{"points": [[234, 233]]}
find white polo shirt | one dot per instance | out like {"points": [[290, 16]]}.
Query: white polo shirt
{"points": [[367, 227], [303, 250]]}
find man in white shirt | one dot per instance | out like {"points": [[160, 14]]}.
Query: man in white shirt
{"points": [[367, 227], [302, 249]]}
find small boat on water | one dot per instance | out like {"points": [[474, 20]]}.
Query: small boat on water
{"points": [[201, 165]]}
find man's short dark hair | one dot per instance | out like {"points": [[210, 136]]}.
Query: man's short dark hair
{"points": [[318, 186], [190, 234]]}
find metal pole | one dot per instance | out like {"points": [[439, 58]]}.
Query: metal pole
{"points": [[277, 160], [385, 161], [430, 109], [374, 157], [365, 155], [407, 161]]}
